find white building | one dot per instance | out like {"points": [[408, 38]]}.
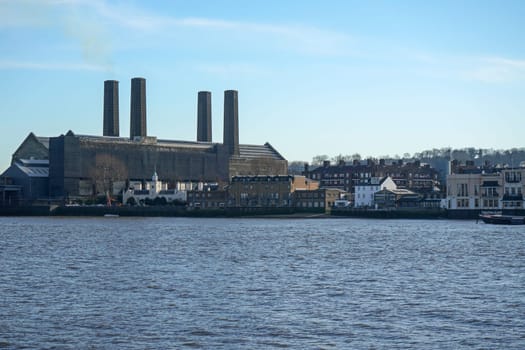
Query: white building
{"points": [[152, 190], [364, 191]]}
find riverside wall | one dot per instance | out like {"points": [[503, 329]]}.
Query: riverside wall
{"points": [[171, 211], [391, 214], [466, 214], [152, 211]]}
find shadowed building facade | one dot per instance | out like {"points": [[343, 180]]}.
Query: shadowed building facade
{"points": [[84, 165]]}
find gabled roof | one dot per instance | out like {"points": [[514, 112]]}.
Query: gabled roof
{"points": [[43, 140], [43, 143]]}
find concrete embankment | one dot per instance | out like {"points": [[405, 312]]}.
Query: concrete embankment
{"points": [[466, 214], [391, 214], [170, 211], [42, 210], [157, 211]]}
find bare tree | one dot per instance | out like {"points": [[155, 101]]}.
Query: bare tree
{"points": [[319, 159], [106, 171], [338, 158]]}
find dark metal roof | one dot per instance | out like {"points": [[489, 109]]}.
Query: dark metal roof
{"points": [[34, 162], [256, 151], [245, 151]]}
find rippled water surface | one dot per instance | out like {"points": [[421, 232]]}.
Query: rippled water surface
{"points": [[162, 283]]}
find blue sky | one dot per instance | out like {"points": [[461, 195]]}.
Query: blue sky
{"points": [[314, 77]]}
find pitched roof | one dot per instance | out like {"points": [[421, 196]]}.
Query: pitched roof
{"points": [[33, 171], [256, 151], [245, 151], [43, 140]]}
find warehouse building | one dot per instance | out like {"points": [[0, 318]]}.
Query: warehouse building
{"points": [[87, 165]]}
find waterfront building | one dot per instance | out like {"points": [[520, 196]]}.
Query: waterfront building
{"points": [[513, 188], [474, 191], [153, 191], [267, 190], [321, 198], [83, 166], [207, 199], [414, 176], [30, 176], [364, 190], [485, 188], [399, 198], [9, 194]]}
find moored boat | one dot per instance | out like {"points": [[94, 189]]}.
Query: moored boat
{"points": [[499, 219]]}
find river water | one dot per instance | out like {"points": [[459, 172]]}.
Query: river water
{"points": [[175, 283]]}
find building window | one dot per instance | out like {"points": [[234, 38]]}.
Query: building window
{"points": [[462, 190], [462, 203]]}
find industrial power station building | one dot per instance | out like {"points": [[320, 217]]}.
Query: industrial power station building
{"points": [[84, 165]]}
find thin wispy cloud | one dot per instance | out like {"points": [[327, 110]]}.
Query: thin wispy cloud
{"points": [[122, 16], [497, 70], [303, 38], [484, 69], [232, 69], [298, 33], [10, 65], [101, 28]]}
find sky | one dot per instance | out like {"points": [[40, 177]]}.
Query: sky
{"points": [[314, 77]]}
